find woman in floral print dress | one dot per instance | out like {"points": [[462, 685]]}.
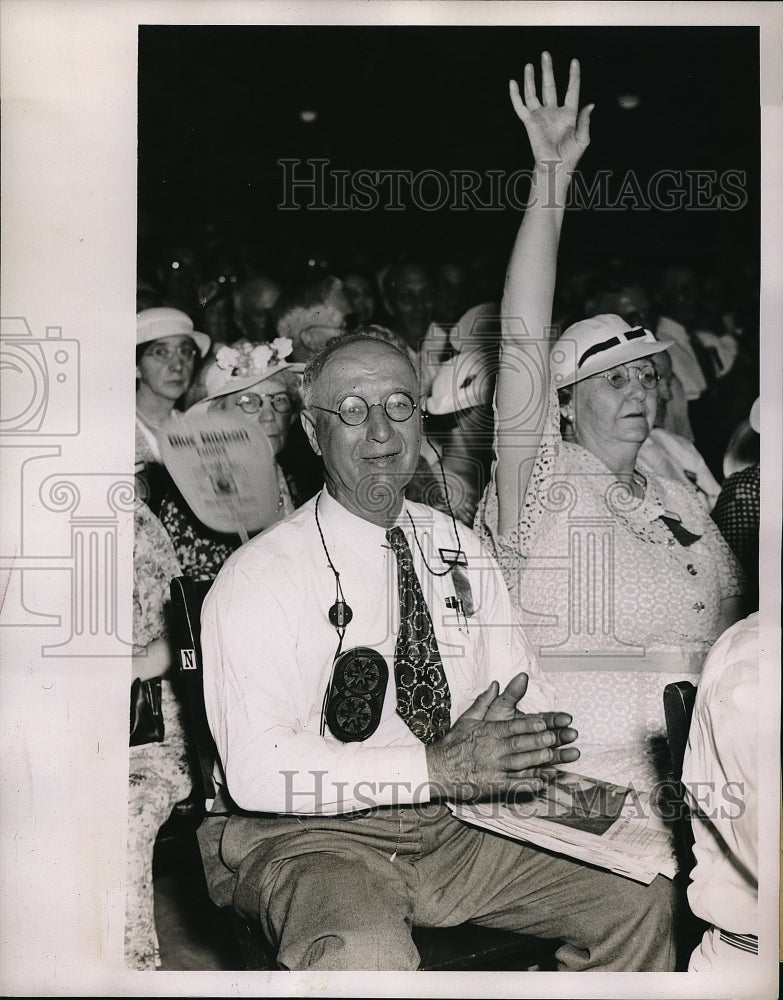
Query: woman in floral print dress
{"points": [[159, 773]]}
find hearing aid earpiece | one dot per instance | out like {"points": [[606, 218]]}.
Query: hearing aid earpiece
{"points": [[340, 614]]}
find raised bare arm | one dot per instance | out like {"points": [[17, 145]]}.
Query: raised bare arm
{"points": [[558, 135]]}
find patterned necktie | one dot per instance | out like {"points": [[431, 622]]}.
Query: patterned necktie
{"points": [[423, 698]]}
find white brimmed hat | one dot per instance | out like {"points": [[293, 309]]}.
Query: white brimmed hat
{"points": [[246, 364], [464, 381], [467, 378], [163, 321], [595, 345]]}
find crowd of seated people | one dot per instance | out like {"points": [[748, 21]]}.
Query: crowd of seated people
{"points": [[681, 373], [709, 375]]}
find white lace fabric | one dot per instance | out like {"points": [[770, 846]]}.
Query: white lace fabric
{"points": [[570, 488]]}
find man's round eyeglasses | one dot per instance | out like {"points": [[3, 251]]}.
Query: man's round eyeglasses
{"points": [[251, 402], [354, 410], [162, 353], [618, 378]]}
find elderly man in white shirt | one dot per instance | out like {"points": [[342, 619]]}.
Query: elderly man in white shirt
{"points": [[354, 656]]}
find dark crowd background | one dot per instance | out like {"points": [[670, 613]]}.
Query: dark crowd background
{"points": [[219, 107]]}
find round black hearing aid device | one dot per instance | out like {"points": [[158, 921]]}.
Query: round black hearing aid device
{"points": [[340, 614]]}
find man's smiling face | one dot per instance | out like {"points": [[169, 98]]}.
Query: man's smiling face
{"points": [[367, 466]]}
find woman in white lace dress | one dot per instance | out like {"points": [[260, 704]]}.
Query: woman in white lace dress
{"points": [[621, 579]]}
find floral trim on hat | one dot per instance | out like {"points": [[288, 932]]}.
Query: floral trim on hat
{"points": [[250, 359]]}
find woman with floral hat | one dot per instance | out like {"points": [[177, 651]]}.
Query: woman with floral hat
{"points": [[256, 382]]}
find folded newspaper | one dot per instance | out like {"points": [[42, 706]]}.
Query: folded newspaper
{"points": [[611, 826]]}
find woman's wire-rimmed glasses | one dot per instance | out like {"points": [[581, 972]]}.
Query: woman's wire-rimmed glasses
{"points": [[251, 402], [165, 353], [618, 378]]}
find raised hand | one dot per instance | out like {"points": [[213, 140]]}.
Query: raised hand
{"points": [[557, 133], [558, 137]]}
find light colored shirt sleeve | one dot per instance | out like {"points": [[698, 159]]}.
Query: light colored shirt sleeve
{"points": [[257, 707], [719, 774], [268, 652]]}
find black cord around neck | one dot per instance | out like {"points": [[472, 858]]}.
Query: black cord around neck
{"points": [[340, 614], [323, 542], [451, 563]]}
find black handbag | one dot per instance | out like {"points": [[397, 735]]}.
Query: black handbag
{"points": [[146, 712]]}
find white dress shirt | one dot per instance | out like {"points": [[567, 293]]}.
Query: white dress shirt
{"points": [[268, 649], [720, 776], [675, 457]]}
